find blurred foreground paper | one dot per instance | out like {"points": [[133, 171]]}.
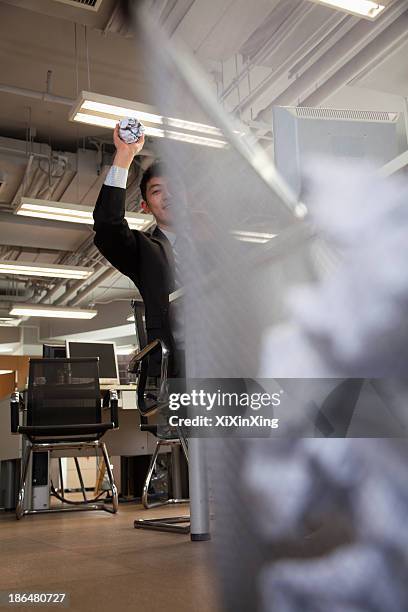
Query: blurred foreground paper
{"points": [[354, 322], [325, 296]]}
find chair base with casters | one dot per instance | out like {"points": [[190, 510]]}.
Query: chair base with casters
{"points": [[177, 524], [63, 412]]}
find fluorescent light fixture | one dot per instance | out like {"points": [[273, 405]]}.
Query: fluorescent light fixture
{"points": [[6, 372], [125, 350], [362, 8], [9, 321], [75, 213], [106, 111], [36, 269], [257, 237], [42, 310]]}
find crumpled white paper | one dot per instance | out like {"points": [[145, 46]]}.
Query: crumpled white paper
{"points": [[354, 322], [130, 130]]}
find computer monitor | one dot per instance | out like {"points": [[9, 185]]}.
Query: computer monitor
{"points": [[108, 365], [54, 351], [303, 132]]}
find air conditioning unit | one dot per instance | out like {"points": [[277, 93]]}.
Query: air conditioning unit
{"points": [[92, 5]]}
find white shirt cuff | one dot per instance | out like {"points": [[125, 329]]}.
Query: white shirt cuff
{"points": [[117, 177]]}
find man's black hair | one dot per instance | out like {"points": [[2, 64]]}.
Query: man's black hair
{"points": [[157, 168]]}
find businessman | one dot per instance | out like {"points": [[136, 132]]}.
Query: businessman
{"points": [[147, 259]]}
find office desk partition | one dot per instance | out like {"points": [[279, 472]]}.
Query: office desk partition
{"points": [[10, 444]]}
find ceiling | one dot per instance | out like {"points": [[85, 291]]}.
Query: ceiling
{"points": [[256, 55]]}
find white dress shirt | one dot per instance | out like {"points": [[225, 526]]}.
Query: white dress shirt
{"points": [[117, 177]]}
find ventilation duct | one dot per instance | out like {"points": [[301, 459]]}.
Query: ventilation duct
{"points": [[8, 290], [18, 296], [92, 5]]}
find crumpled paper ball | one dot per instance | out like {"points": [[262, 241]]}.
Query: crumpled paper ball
{"points": [[130, 130]]}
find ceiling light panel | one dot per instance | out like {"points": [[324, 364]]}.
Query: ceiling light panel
{"points": [[48, 270], [40, 310], [256, 237], [9, 321], [75, 213], [362, 8], [106, 111]]}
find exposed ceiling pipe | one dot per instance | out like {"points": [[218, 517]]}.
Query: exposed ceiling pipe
{"points": [[298, 13], [328, 34], [328, 30], [26, 296], [397, 32], [76, 287], [83, 294], [181, 16], [357, 38], [23, 183], [52, 292], [27, 171], [23, 153], [36, 95], [88, 252]]}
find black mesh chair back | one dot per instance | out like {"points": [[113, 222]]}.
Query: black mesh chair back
{"points": [[139, 313], [63, 411], [63, 392]]}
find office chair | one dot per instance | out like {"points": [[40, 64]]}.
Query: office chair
{"points": [[151, 400], [63, 412]]}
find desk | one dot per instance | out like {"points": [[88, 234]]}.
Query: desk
{"points": [[118, 387], [10, 452], [128, 439]]}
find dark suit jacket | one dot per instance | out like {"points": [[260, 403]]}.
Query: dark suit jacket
{"points": [[146, 259]]}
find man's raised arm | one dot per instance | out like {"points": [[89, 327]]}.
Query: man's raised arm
{"points": [[113, 237]]}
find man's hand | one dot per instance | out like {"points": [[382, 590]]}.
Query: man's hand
{"points": [[125, 152]]}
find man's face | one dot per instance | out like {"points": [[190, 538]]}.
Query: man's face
{"points": [[160, 200]]}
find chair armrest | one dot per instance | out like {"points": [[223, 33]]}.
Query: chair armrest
{"points": [[15, 403], [139, 363], [113, 404], [138, 357]]}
